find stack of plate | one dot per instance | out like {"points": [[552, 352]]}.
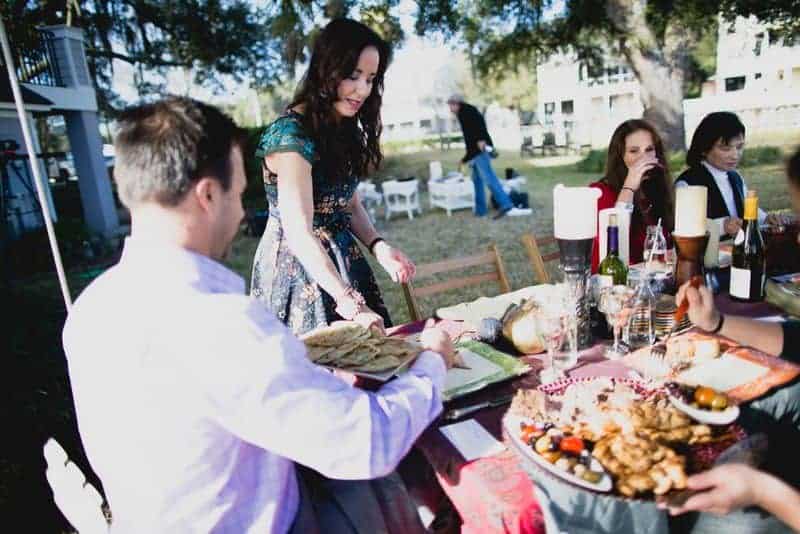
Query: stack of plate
{"points": [[665, 316]]}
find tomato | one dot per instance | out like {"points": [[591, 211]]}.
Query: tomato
{"points": [[704, 396], [572, 444]]}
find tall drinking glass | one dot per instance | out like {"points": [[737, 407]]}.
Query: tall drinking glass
{"points": [[573, 291], [550, 321]]}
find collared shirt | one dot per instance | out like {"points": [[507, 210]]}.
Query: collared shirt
{"points": [[193, 402], [724, 185]]}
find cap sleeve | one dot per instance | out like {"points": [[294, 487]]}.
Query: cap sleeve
{"points": [[286, 134]]}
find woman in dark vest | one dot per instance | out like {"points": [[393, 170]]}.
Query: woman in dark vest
{"points": [[715, 152]]}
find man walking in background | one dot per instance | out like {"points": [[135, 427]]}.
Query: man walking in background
{"points": [[479, 147]]}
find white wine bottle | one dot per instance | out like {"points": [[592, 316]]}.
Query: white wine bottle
{"points": [[749, 268]]}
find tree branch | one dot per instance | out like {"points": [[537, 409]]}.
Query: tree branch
{"points": [[134, 59]]}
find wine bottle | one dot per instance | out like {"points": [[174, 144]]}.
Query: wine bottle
{"points": [[612, 266], [748, 270]]}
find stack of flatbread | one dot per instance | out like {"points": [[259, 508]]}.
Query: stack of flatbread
{"points": [[352, 347]]}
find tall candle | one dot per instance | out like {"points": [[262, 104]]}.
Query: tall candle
{"points": [[575, 212], [690, 210], [711, 259]]}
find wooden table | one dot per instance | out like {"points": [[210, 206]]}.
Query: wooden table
{"points": [[495, 494]]}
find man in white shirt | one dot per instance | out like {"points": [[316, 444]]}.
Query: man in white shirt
{"points": [[193, 402]]}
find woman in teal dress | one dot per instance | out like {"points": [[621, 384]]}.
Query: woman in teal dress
{"points": [[309, 268]]}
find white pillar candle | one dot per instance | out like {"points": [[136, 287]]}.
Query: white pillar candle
{"points": [[690, 210], [575, 212], [711, 259]]}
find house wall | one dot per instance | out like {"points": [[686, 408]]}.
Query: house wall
{"points": [[22, 210], [582, 107]]}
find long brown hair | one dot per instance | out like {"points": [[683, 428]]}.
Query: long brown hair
{"points": [[655, 191], [349, 146]]}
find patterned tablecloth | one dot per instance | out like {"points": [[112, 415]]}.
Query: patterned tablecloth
{"points": [[495, 494]]}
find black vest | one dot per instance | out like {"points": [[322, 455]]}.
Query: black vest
{"points": [[716, 206]]}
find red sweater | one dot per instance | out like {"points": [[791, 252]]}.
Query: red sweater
{"points": [[608, 198]]}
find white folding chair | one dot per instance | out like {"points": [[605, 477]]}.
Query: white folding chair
{"points": [[401, 197], [435, 171], [370, 197], [78, 500], [452, 192]]}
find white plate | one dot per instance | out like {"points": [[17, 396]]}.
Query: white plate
{"points": [[709, 417], [511, 424]]}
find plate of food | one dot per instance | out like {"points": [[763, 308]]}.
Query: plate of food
{"points": [[365, 352], [682, 352], [703, 404], [642, 442], [560, 453]]}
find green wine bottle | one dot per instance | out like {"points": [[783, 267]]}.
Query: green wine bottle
{"points": [[612, 266]]}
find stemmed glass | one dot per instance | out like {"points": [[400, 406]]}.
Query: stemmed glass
{"points": [[616, 302], [550, 321]]}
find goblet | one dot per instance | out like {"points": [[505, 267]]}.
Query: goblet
{"points": [[616, 303]]}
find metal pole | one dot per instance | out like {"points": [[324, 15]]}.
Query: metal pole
{"points": [[37, 178]]}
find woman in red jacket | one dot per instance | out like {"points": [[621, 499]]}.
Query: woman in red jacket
{"points": [[637, 179]]}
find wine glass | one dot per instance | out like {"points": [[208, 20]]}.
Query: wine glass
{"points": [[550, 322], [615, 303]]}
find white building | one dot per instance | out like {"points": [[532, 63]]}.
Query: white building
{"points": [[758, 77], [582, 105], [54, 78]]}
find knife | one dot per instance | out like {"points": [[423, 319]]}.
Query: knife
{"points": [[458, 413]]}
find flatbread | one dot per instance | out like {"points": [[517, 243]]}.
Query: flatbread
{"points": [[335, 334], [337, 352], [350, 346]]}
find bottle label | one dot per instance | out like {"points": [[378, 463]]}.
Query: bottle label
{"points": [[740, 283]]}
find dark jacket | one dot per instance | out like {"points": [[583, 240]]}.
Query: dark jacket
{"points": [[474, 129], [791, 341], [716, 206]]}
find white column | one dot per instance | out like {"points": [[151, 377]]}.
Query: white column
{"points": [[97, 198]]}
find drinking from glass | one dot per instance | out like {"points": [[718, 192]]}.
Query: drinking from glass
{"points": [[615, 303]]}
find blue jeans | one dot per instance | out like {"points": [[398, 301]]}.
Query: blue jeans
{"points": [[482, 172]]}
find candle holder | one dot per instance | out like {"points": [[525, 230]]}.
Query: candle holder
{"points": [[690, 257], [576, 264]]}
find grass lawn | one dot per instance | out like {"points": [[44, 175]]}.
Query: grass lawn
{"points": [[37, 402]]}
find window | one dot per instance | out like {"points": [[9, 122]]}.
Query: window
{"points": [[758, 75], [549, 108], [425, 123], [406, 125], [759, 41], [567, 107], [734, 84]]}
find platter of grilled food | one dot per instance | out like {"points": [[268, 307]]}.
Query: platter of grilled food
{"points": [[618, 436]]}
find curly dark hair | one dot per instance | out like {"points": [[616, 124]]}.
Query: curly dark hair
{"points": [[655, 191], [349, 146]]}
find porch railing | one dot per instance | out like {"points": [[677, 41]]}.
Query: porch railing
{"points": [[38, 64]]}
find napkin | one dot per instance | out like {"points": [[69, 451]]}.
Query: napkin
{"points": [[471, 439]]}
